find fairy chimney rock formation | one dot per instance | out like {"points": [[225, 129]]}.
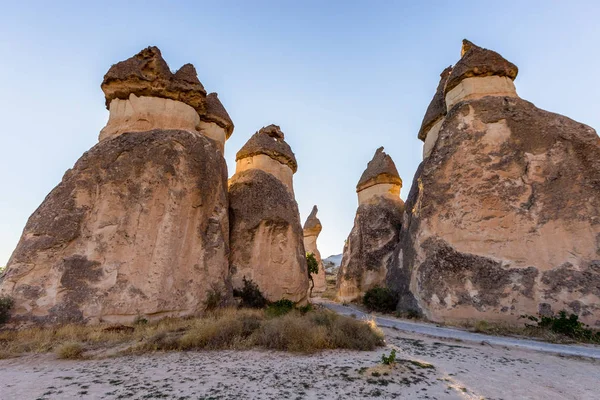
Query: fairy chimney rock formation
{"points": [[381, 178], [373, 238], [479, 73], [267, 150], [140, 224], [502, 217], [312, 228], [434, 116], [143, 94], [266, 236]]}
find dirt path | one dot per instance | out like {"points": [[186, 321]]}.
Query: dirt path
{"points": [[429, 329], [428, 368]]}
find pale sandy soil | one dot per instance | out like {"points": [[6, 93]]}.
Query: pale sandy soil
{"points": [[460, 371]]}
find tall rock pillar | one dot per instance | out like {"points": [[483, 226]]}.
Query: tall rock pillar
{"points": [[312, 228], [503, 216], [373, 238], [266, 237], [139, 226]]}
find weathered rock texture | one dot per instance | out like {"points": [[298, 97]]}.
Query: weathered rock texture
{"points": [[140, 224], [373, 238], [266, 235], [312, 228], [143, 94], [432, 121], [503, 217]]}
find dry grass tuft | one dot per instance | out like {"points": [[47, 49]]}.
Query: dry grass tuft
{"points": [[70, 351], [295, 331]]}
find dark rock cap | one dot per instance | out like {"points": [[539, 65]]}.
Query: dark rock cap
{"points": [[270, 141], [381, 169], [437, 107], [313, 224], [147, 74], [215, 112], [477, 61]]}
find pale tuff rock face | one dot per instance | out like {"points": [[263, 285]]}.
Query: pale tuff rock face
{"points": [[266, 237], [142, 94], [475, 88], [437, 108], [139, 226], [502, 218], [371, 243], [267, 151], [312, 228], [265, 163], [434, 116], [431, 138], [142, 114]]}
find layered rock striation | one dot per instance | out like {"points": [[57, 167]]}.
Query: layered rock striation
{"points": [[503, 216], [266, 236], [372, 241], [139, 226], [312, 229]]}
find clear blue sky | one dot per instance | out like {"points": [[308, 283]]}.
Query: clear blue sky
{"points": [[341, 78]]}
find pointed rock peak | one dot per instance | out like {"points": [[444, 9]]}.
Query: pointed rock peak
{"points": [[187, 73], [148, 74], [273, 131], [479, 62], [437, 107], [216, 112], [312, 226], [466, 46], [381, 169], [269, 141]]}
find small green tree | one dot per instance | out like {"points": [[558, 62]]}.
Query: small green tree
{"points": [[313, 268]]}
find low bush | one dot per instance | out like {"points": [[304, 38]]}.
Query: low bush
{"points": [[380, 299], [279, 308], [70, 351], [567, 325], [214, 299], [224, 328], [250, 295], [6, 305], [389, 360]]}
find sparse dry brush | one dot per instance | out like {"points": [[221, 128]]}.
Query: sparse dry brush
{"points": [[239, 329]]}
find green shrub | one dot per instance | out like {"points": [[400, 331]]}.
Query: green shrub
{"points": [[250, 295], [140, 320], [380, 299], [565, 325], [279, 308], [313, 269], [389, 360], [6, 305]]}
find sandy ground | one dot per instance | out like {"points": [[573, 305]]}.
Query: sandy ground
{"points": [[458, 371]]}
